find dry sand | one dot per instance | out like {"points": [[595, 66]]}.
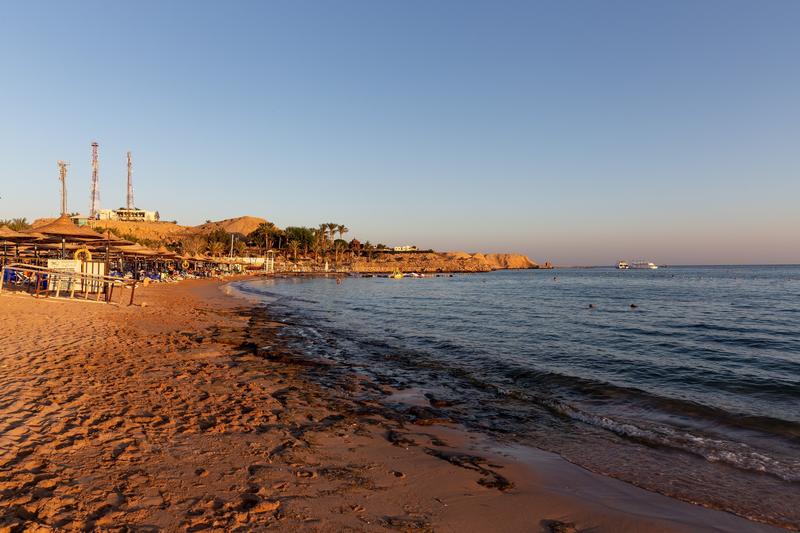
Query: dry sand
{"points": [[189, 414]]}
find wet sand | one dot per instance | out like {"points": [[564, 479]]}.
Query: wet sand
{"points": [[190, 414]]}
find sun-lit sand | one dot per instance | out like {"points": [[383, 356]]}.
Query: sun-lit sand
{"points": [[189, 414]]}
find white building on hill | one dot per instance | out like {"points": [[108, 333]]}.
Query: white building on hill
{"points": [[128, 215]]}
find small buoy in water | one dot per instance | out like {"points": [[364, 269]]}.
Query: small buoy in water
{"points": [[634, 306], [592, 306]]}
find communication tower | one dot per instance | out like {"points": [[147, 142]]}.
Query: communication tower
{"points": [[94, 205], [62, 177], [130, 182]]}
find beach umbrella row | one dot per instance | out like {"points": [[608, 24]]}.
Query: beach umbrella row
{"points": [[62, 233]]}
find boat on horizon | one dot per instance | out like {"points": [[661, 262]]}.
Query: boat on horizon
{"points": [[623, 265], [643, 265]]}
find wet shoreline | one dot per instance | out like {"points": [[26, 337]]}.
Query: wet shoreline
{"points": [[523, 425]]}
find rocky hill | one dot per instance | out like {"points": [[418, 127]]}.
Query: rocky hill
{"points": [[241, 225], [170, 230], [156, 231], [509, 261], [442, 262]]}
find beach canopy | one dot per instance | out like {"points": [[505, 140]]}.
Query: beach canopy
{"points": [[113, 240], [138, 249], [64, 228], [164, 252], [52, 246], [33, 235], [9, 235]]}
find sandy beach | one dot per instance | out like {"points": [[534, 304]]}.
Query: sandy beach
{"points": [[188, 413]]}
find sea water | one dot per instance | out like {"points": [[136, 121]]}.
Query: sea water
{"points": [[682, 380]]}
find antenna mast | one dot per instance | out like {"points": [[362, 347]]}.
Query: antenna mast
{"points": [[62, 177], [130, 182], [94, 205]]}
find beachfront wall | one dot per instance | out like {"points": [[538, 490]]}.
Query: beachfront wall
{"points": [[249, 261]]}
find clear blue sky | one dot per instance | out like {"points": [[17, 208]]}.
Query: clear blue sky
{"points": [[576, 132]]}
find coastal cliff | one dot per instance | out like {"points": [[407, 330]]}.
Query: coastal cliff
{"points": [[431, 262]]}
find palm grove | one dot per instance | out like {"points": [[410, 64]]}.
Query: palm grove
{"points": [[323, 243]]}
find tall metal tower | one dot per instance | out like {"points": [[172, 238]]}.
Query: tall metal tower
{"points": [[130, 182], [62, 177], [94, 205]]}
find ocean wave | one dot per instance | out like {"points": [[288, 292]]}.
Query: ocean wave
{"points": [[736, 454]]}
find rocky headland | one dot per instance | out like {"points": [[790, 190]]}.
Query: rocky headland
{"points": [[432, 262]]}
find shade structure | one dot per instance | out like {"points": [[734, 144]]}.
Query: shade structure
{"points": [[138, 249], [9, 235], [64, 228], [164, 252], [117, 242], [43, 247], [34, 235]]}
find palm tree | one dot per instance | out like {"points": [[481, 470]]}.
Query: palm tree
{"points": [[262, 235], [17, 224], [322, 233], [216, 248], [367, 247], [342, 229], [332, 229], [294, 246], [338, 249], [193, 245], [280, 234]]}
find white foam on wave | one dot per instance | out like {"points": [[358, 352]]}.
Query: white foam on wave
{"points": [[735, 454]]}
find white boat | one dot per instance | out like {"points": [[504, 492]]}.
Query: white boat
{"points": [[623, 265], [644, 264]]}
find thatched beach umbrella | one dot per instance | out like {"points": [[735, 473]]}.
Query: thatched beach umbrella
{"points": [[8, 235], [63, 227], [120, 243], [34, 235], [138, 249], [111, 243], [66, 230], [164, 252]]}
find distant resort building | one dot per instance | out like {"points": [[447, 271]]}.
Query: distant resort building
{"points": [[406, 248], [123, 213], [132, 214], [79, 220]]}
